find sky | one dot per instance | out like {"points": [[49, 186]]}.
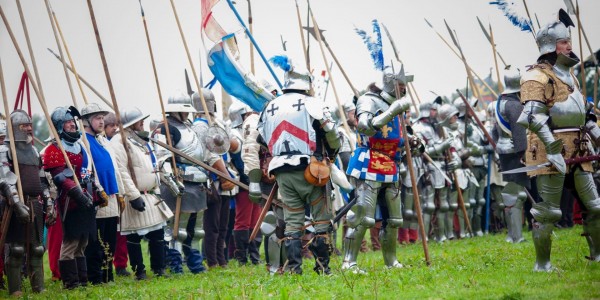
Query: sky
{"points": [[424, 54]]}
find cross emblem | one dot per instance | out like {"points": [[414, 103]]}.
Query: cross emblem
{"points": [[286, 144], [299, 105], [273, 109]]}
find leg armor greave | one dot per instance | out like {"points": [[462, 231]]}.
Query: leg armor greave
{"points": [[352, 243], [36, 260], [394, 206], [509, 199], [591, 231], [409, 205], [13, 267], [363, 211], [546, 213], [516, 218], [586, 189], [388, 237]]}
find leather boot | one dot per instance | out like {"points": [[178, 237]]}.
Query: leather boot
{"points": [[241, 246], [321, 250], [293, 248], [253, 249], [82, 270], [69, 273], [542, 240]]}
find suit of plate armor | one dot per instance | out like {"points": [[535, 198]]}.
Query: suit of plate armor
{"points": [[511, 146], [561, 125], [374, 166], [25, 231], [193, 198], [435, 202], [453, 158], [424, 132], [477, 162]]}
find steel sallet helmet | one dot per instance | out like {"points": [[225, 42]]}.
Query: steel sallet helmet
{"points": [[62, 114], [236, 111], [179, 102], [393, 74], [89, 111], [553, 32], [425, 109], [512, 81], [461, 107], [132, 116], [19, 117], [209, 98], [445, 113]]}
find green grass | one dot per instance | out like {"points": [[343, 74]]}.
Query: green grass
{"points": [[479, 268]]}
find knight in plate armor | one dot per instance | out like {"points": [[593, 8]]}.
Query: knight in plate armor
{"points": [[375, 166], [561, 125], [475, 166], [511, 146], [193, 192], [302, 138], [26, 227]]}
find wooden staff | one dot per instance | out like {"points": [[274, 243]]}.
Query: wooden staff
{"points": [[581, 63], [112, 93], [187, 51], [39, 95], [166, 123], [530, 21], [82, 80], [495, 52], [304, 51], [474, 115], [337, 62], [458, 55], [264, 211], [84, 138], [416, 198], [337, 99], [464, 60], [251, 32], [409, 85], [8, 214]]}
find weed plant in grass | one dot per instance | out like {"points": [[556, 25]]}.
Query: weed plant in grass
{"points": [[479, 268]]}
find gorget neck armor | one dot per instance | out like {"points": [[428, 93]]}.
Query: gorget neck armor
{"points": [[72, 147], [563, 66]]}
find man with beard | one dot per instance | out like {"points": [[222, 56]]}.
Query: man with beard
{"points": [[75, 202]]}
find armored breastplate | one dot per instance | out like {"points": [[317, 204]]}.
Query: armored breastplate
{"points": [[287, 126], [189, 143], [568, 113]]}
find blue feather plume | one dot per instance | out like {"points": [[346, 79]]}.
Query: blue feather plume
{"points": [[281, 61], [374, 45], [508, 9]]}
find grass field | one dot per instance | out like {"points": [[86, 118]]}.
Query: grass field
{"points": [[479, 268]]}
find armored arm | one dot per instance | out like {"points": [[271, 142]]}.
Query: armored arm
{"points": [[329, 128], [393, 110], [48, 203], [535, 118]]}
